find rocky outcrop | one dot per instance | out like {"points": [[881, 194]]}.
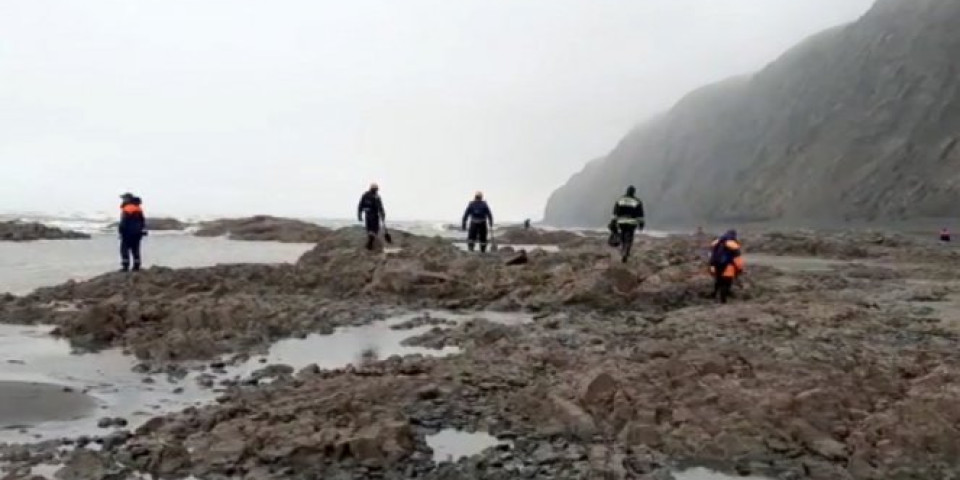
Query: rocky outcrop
{"points": [[263, 228], [165, 223], [858, 122], [28, 231], [536, 236]]}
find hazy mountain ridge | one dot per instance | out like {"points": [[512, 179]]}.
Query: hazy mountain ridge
{"points": [[860, 121]]}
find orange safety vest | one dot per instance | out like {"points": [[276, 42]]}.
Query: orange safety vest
{"points": [[131, 209], [735, 267]]}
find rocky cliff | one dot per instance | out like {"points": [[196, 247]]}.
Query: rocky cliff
{"points": [[858, 122]]}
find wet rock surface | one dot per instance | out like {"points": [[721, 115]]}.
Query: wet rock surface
{"points": [[15, 231], [627, 371]]}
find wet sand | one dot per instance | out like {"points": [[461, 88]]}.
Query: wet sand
{"points": [[28, 403]]}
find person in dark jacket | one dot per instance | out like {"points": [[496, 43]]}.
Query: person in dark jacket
{"points": [[479, 216], [627, 218], [132, 228], [370, 212], [726, 264]]}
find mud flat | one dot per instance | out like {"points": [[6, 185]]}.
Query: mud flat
{"points": [[843, 371]]}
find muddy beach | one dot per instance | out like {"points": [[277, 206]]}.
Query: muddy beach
{"points": [[837, 359]]}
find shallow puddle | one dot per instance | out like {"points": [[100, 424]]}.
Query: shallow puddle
{"points": [[24, 403], [796, 263], [451, 444], [701, 473], [348, 345], [106, 379]]}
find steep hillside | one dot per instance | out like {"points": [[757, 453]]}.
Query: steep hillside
{"points": [[857, 122]]}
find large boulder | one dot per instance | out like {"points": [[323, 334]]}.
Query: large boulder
{"points": [[26, 231]]}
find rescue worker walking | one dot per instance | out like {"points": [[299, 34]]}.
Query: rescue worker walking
{"points": [[370, 212], [945, 235], [726, 263], [479, 216], [627, 219], [132, 228]]}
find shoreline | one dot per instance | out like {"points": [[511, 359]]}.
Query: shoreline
{"points": [[622, 369]]}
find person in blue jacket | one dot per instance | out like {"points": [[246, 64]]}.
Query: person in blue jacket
{"points": [[132, 228], [478, 214]]}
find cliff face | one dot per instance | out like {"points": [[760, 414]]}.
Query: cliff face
{"points": [[857, 122]]}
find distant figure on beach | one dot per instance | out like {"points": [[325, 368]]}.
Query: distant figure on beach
{"points": [[944, 235], [726, 264], [370, 212], [478, 214], [132, 229], [627, 219], [526, 224]]}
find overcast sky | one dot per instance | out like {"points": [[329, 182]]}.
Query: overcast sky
{"points": [[292, 107]]}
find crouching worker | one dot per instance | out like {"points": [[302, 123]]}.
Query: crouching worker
{"points": [[726, 264]]}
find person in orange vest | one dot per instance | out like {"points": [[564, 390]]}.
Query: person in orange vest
{"points": [[132, 228], [726, 263], [944, 235]]}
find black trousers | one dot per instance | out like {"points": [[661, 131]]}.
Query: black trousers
{"points": [[477, 233], [722, 286], [627, 230], [130, 251], [372, 225]]}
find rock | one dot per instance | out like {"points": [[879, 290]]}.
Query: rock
{"points": [[308, 371], [574, 419], [85, 465], [27, 231], [382, 443], [599, 391], [637, 433], [272, 371], [518, 259], [829, 448], [164, 223], [428, 392], [264, 228], [105, 422]]}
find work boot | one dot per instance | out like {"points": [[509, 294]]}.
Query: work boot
{"points": [[370, 242], [136, 267]]}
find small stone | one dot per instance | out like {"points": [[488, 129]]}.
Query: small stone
{"points": [[428, 392], [105, 422]]}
